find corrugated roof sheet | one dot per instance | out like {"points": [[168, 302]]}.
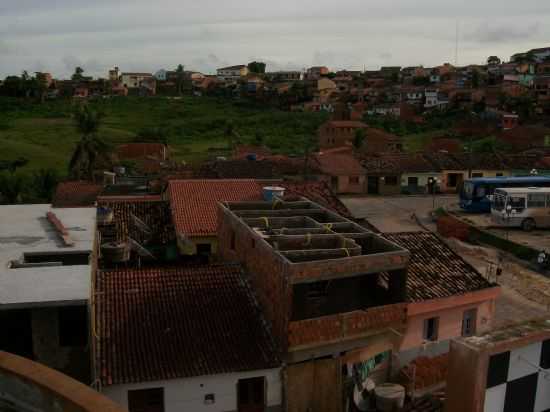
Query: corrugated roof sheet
{"points": [[167, 323], [435, 270], [194, 202]]}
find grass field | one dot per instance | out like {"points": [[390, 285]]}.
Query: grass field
{"points": [[46, 136]]}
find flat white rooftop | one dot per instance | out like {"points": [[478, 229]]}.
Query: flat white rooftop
{"points": [[26, 235]]}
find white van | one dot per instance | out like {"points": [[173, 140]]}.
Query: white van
{"points": [[525, 207]]}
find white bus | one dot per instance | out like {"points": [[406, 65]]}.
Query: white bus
{"points": [[525, 207]]}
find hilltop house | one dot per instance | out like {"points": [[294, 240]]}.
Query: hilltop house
{"points": [[232, 72]]}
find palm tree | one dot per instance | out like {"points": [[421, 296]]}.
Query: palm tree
{"points": [[231, 134], [180, 72], [44, 182], [91, 148]]}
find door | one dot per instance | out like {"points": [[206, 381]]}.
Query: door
{"points": [[469, 322], [251, 395], [412, 184], [372, 185], [16, 336]]}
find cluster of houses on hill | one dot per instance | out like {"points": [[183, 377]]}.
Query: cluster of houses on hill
{"points": [[402, 92]]}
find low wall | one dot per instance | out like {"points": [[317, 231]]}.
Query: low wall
{"points": [[27, 386], [450, 226]]}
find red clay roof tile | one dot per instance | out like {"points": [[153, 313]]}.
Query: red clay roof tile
{"points": [[166, 323], [194, 202], [76, 194]]}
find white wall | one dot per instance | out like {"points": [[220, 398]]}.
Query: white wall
{"points": [[188, 394]]}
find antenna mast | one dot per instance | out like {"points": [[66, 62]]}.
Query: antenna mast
{"points": [[456, 45]]}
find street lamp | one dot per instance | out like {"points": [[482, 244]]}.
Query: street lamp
{"points": [[508, 213], [432, 184], [534, 172]]}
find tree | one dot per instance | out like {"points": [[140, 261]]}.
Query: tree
{"points": [[256, 67], [475, 79], [180, 73], [359, 138], [90, 149], [11, 187], [231, 134], [493, 61], [13, 165], [41, 85], [77, 75], [44, 182]]}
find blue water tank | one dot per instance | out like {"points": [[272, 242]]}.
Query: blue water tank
{"points": [[251, 156], [270, 192]]}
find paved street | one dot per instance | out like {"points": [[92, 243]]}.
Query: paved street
{"points": [[395, 213]]}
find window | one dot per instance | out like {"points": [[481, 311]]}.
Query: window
{"points": [[412, 181], [500, 174], [253, 243], [251, 394], [146, 400], [390, 180], [469, 322], [517, 203], [431, 327], [72, 323], [204, 249], [477, 174], [354, 180], [536, 200], [209, 399]]}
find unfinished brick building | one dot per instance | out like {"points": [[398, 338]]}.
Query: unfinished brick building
{"points": [[333, 292]]}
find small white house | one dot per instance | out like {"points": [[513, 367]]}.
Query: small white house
{"points": [[184, 338], [232, 72]]}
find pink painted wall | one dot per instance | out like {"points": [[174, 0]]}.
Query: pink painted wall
{"points": [[450, 322]]}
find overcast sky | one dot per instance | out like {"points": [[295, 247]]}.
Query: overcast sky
{"points": [[139, 35]]}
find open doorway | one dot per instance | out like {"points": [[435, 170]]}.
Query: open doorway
{"points": [[16, 336], [251, 395]]}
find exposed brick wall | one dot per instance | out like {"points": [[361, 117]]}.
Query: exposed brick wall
{"points": [[426, 371], [268, 273], [347, 325], [449, 226]]}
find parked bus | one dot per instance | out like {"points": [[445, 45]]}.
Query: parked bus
{"points": [[525, 207], [476, 193]]}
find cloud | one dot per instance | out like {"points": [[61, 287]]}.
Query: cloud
{"points": [[141, 36], [504, 33]]}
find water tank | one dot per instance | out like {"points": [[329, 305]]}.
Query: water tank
{"points": [[270, 192], [251, 156], [389, 397], [105, 215]]}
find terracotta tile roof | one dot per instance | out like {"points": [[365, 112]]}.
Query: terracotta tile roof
{"points": [[133, 151], [167, 323], [444, 161], [397, 163], [76, 194], [194, 202], [339, 164], [318, 192], [435, 271]]}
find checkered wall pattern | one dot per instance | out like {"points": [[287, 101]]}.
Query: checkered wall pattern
{"points": [[519, 380]]}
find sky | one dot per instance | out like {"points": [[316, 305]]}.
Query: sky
{"points": [[137, 35]]}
